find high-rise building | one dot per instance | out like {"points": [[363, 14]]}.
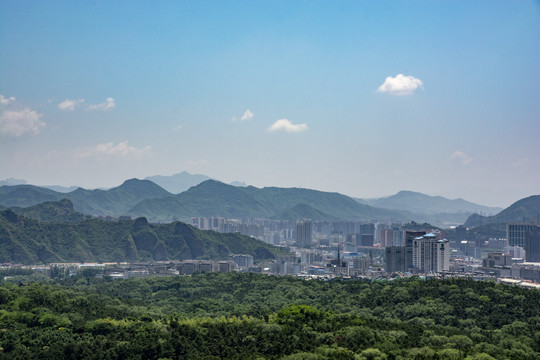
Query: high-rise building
{"points": [[397, 236], [303, 233], [386, 237], [532, 245], [366, 240], [410, 235], [396, 259], [366, 229], [431, 255], [515, 233]]}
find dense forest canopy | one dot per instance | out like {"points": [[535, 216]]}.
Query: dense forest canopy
{"points": [[247, 316]]}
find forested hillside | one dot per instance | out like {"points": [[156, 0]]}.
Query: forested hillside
{"points": [[526, 210], [249, 316], [213, 198], [27, 241]]}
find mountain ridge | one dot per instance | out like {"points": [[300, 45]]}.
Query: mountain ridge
{"points": [[422, 203], [522, 211], [28, 241], [213, 198]]}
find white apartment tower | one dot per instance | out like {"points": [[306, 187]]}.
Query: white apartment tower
{"points": [[303, 233], [431, 255]]}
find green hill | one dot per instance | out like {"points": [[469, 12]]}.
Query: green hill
{"points": [[27, 241], [522, 211], [53, 211], [213, 198], [26, 195], [113, 202], [303, 211]]}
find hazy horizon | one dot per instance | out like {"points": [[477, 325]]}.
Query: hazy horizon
{"points": [[356, 97]]}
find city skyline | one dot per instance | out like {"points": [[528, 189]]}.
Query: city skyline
{"points": [[361, 98]]}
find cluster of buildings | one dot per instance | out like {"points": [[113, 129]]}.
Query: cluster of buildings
{"points": [[379, 248], [382, 247]]}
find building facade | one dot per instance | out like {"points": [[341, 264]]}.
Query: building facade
{"points": [[431, 255], [304, 233], [532, 245], [515, 233]]}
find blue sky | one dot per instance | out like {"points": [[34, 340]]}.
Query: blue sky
{"points": [[365, 98]]}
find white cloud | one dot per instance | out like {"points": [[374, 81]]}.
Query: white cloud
{"points": [[400, 85], [122, 149], [178, 128], [5, 101], [69, 105], [248, 115], [104, 106], [461, 156], [17, 123], [287, 125]]}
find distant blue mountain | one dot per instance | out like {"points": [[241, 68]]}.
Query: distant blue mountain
{"points": [[177, 183], [429, 205], [114, 202]]}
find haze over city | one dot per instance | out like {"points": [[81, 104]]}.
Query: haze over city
{"points": [[362, 98]]}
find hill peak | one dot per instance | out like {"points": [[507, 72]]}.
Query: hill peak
{"points": [[141, 185]]}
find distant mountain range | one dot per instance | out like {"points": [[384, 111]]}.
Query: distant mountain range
{"points": [[177, 183], [28, 241], [526, 210], [12, 181], [113, 202], [213, 198], [429, 205]]}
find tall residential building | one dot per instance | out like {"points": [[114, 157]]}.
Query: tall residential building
{"points": [[366, 229], [532, 245], [386, 237], [396, 259], [431, 255], [378, 232], [303, 233], [366, 240], [515, 233], [410, 235], [397, 234]]}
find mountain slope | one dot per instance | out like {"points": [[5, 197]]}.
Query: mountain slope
{"points": [[210, 198], [178, 183], [26, 195], [52, 211], [424, 204], [522, 211], [213, 198], [28, 241], [303, 211], [114, 202]]}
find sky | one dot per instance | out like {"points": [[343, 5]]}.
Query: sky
{"points": [[364, 98]]}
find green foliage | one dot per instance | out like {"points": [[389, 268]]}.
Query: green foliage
{"points": [[53, 211], [28, 241], [249, 316]]}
